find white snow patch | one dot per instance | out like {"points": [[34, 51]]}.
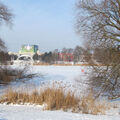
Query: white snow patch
{"points": [[24, 112]]}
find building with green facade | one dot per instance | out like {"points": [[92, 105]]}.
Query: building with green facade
{"points": [[29, 49]]}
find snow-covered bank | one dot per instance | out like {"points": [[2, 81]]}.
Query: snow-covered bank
{"points": [[20, 112], [65, 74]]}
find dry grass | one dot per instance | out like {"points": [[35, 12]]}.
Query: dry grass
{"points": [[55, 99], [89, 105]]}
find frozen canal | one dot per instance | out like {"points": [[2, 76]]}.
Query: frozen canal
{"points": [[63, 74]]}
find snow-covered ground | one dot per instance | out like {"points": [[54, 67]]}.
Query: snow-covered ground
{"points": [[64, 74], [19, 112]]}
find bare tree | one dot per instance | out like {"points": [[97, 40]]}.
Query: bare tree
{"points": [[5, 14], [8, 74], [100, 24], [78, 54], [5, 17]]}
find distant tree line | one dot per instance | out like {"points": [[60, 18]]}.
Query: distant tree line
{"points": [[65, 55], [76, 55]]}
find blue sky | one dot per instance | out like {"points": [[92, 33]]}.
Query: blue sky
{"points": [[47, 23]]}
